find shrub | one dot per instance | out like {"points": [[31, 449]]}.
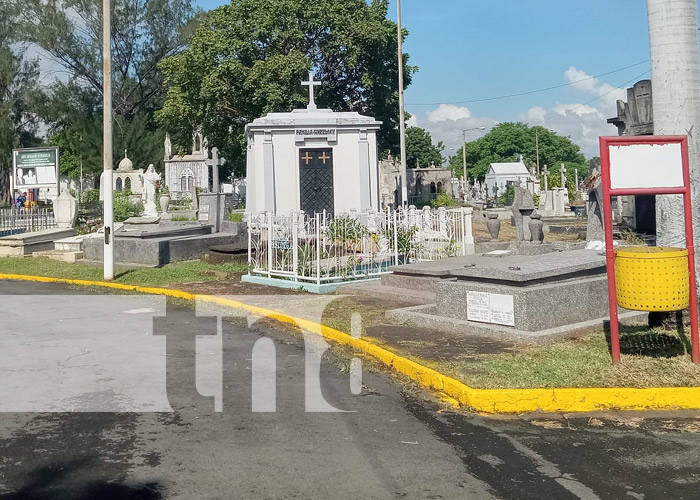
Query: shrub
{"points": [[91, 195], [443, 200], [125, 208]]}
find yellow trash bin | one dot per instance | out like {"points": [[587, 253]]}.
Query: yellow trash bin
{"points": [[652, 278]]}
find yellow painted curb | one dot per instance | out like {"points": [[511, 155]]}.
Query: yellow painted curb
{"points": [[566, 400]]}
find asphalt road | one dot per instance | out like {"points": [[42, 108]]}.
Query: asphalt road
{"points": [[99, 400]]}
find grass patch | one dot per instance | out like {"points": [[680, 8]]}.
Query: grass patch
{"points": [[338, 314], [653, 358], [171, 274]]}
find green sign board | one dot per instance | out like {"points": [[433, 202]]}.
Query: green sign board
{"points": [[35, 168]]}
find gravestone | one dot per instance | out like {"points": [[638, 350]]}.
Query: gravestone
{"points": [[561, 198], [65, 210], [211, 210], [594, 207], [562, 174], [523, 206]]}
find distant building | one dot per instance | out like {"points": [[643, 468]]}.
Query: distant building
{"points": [[422, 184], [501, 175], [183, 173]]}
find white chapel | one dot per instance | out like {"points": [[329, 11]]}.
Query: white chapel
{"points": [[312, 160]]}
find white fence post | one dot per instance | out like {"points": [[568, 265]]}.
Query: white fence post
{"points": [[269, 244], [295, 245], [250, 243], [468, 234], [318, 247], [396, 239]]}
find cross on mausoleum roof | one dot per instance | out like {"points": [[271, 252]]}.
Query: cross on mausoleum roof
{"points": [[311, 84]]}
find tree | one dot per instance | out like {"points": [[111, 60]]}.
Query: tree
{"points": [[420, 150], [143, 33], [18, 94], [507, 141], [248, 58]]}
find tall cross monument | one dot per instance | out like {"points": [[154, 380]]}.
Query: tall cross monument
{"points": [[545, 173], [311, 84]]}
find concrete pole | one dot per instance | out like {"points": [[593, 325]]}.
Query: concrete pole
{"points": [[107, 176], [464, 157], [675, 83], [402, 118]]}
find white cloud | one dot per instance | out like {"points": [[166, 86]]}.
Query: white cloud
{"points": [[584, 121], [446, 123], [584, 124], [586, 84], [448, 112]]}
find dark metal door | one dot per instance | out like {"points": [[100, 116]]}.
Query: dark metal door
{"points": [[316, 180]]}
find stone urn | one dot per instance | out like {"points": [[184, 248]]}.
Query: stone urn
{"points": [[535, 225], [494, 226], [164, 203]]}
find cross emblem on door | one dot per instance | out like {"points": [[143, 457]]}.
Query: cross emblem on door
{"points": [[323, 157], [308, 158]]}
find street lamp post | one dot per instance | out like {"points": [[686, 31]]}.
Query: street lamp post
{"points": [[402, 120], [464, 150], [107, 175]]}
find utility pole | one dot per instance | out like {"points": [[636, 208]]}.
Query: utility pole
{"points": [[402, 119], [107, 174], [675, 83], [537, 150], [464, 156]]}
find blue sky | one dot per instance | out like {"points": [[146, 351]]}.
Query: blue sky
{"points": [[474, 49]]}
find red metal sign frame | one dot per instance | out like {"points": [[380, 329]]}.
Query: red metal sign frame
{"points": [[608, 192]]}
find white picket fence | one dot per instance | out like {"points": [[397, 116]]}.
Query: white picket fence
{"points": [[356, 245]]}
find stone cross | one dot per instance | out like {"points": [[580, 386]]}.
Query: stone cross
{"points": [[545, 172], [311, 84], [215, 162], [576, 185], [562, 172]]}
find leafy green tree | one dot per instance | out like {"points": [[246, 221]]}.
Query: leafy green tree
{"points": [[507, 141], [143, 33], [18, 95], [420, 150], [248, 58]]}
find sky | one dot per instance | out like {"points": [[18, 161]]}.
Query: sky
{"points": [[472, 53]]}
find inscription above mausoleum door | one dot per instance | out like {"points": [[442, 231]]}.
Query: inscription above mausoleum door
{"points": [[316, 180]]}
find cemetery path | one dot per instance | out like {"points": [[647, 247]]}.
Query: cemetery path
{"points": [[395, 442]]}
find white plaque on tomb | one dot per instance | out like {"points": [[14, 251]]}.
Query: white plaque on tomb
{"points": [[478, 307], [490, 308], [502, 309]]}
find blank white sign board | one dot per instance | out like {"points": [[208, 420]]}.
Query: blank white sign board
{"points": [[646, 166]]}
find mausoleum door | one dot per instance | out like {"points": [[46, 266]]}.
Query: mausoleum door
{"points": [[316, 180]]}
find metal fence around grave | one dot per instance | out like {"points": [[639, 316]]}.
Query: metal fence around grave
{"points": [[356, 245], [15, 221]]}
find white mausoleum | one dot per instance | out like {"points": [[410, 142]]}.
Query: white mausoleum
{"points": [[501, 175], [312, 160]]}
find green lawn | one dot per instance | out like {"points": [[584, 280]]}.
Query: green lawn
{"points": [[171, 274], [649, 359]]}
